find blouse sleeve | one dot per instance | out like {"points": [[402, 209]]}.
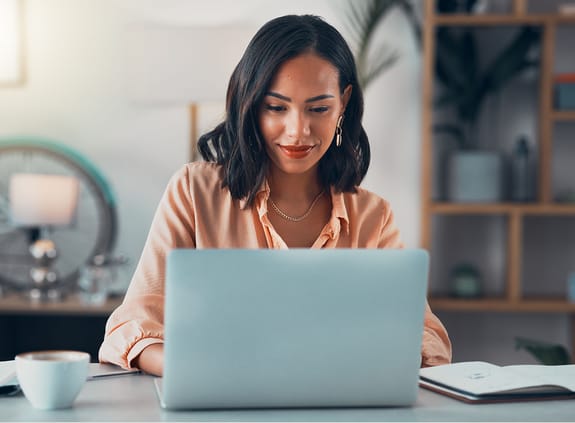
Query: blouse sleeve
{"points": [[139, 320], [436, 346]]}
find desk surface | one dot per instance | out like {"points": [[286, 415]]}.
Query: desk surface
{"points": [[133, 398]]}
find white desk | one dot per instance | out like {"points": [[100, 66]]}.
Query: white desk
{"points": [[133, 398]]}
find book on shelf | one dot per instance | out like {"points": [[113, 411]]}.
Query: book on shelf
{"points": [[481, 382]]}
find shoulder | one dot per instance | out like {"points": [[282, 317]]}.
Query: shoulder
{"points": [[365, 201], [194, 181], [203, 176], [372, 218]]}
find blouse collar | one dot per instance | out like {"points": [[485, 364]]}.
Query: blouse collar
{"points": [[339, 217]]}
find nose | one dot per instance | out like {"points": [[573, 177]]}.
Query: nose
{"points": [[297, 125]]}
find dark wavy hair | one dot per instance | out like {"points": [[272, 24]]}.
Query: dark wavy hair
{"points": [[237, 143]]}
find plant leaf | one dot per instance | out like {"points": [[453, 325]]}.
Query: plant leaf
{"points": [[364, 18], [512, 60], [544, 352], [446, 99], [457, 68], [469, 55], [449, 60], [409, 11], [455, 131], [379, 64]]}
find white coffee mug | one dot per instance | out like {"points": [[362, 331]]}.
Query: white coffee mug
{"points": [[52, 379]]}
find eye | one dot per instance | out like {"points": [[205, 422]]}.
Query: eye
{"points": [[274, 108], [319, 109]]}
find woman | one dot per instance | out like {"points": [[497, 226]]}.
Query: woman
{"points": [[281, 171]]}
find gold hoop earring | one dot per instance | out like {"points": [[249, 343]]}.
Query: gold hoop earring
{"points": [[339, 131]]}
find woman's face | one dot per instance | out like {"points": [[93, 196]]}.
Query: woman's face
{"points": [[299, 113]]}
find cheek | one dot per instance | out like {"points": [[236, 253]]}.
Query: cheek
{"points": [[325, 130], [270, 128]]}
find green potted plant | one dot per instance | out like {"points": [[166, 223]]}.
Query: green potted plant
{"points": [[544, 352], [473, 174]]}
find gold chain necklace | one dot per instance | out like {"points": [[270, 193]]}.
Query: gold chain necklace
{"points": [[299, 218]]}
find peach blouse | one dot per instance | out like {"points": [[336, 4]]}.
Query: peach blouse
{"points": [[196, 212]]}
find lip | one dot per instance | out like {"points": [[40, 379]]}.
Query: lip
{"points": [[296, 151]]}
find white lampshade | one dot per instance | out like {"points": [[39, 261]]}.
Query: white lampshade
{"points": [[43, 200]]}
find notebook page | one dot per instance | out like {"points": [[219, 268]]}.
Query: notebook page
{"points": [[8, 373], [550, 375]]}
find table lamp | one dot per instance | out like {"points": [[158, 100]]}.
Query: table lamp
{"points": [[41, 203]]}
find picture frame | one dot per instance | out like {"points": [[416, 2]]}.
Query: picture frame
{"points": [[12, 47]]}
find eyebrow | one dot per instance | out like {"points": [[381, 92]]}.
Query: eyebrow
{"points": [[309, 100]]}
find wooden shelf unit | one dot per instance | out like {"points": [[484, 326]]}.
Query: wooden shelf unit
{"points": [[512, 300], [563, 115], [531, 305], [18, 305], [501, 20], [540, 209]]}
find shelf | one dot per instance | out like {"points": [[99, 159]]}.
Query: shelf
{"points": [[543, 305], [502, 208], [472, 208], [494, 20], [15, 304], [488, 20], [563, 19], [563, 115]]}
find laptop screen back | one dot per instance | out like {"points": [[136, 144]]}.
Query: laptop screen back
{"points": [[293, 328]]}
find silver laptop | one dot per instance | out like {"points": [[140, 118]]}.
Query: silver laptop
{"points": [[293, 328]]}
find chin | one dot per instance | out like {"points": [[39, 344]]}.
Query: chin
{"points": [[297, 169]]}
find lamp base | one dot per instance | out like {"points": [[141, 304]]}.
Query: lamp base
{"points": [[41, 295], [44, 286]]}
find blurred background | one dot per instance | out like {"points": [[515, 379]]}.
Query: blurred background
{"points": [[114, 93]]}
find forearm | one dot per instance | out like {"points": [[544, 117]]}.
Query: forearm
{"points": [[151, 360]]}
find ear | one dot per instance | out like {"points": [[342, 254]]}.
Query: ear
{"points": [[345, 97]]}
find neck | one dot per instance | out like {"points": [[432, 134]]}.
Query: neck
{"points": [[294, 188]]}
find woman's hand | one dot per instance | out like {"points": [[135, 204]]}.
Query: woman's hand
{"points": [[151, 360]]}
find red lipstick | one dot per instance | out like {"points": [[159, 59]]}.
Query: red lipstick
{"points": [[296, 151]]}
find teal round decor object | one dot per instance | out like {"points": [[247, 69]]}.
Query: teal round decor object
{"points": [[95, 227]]}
